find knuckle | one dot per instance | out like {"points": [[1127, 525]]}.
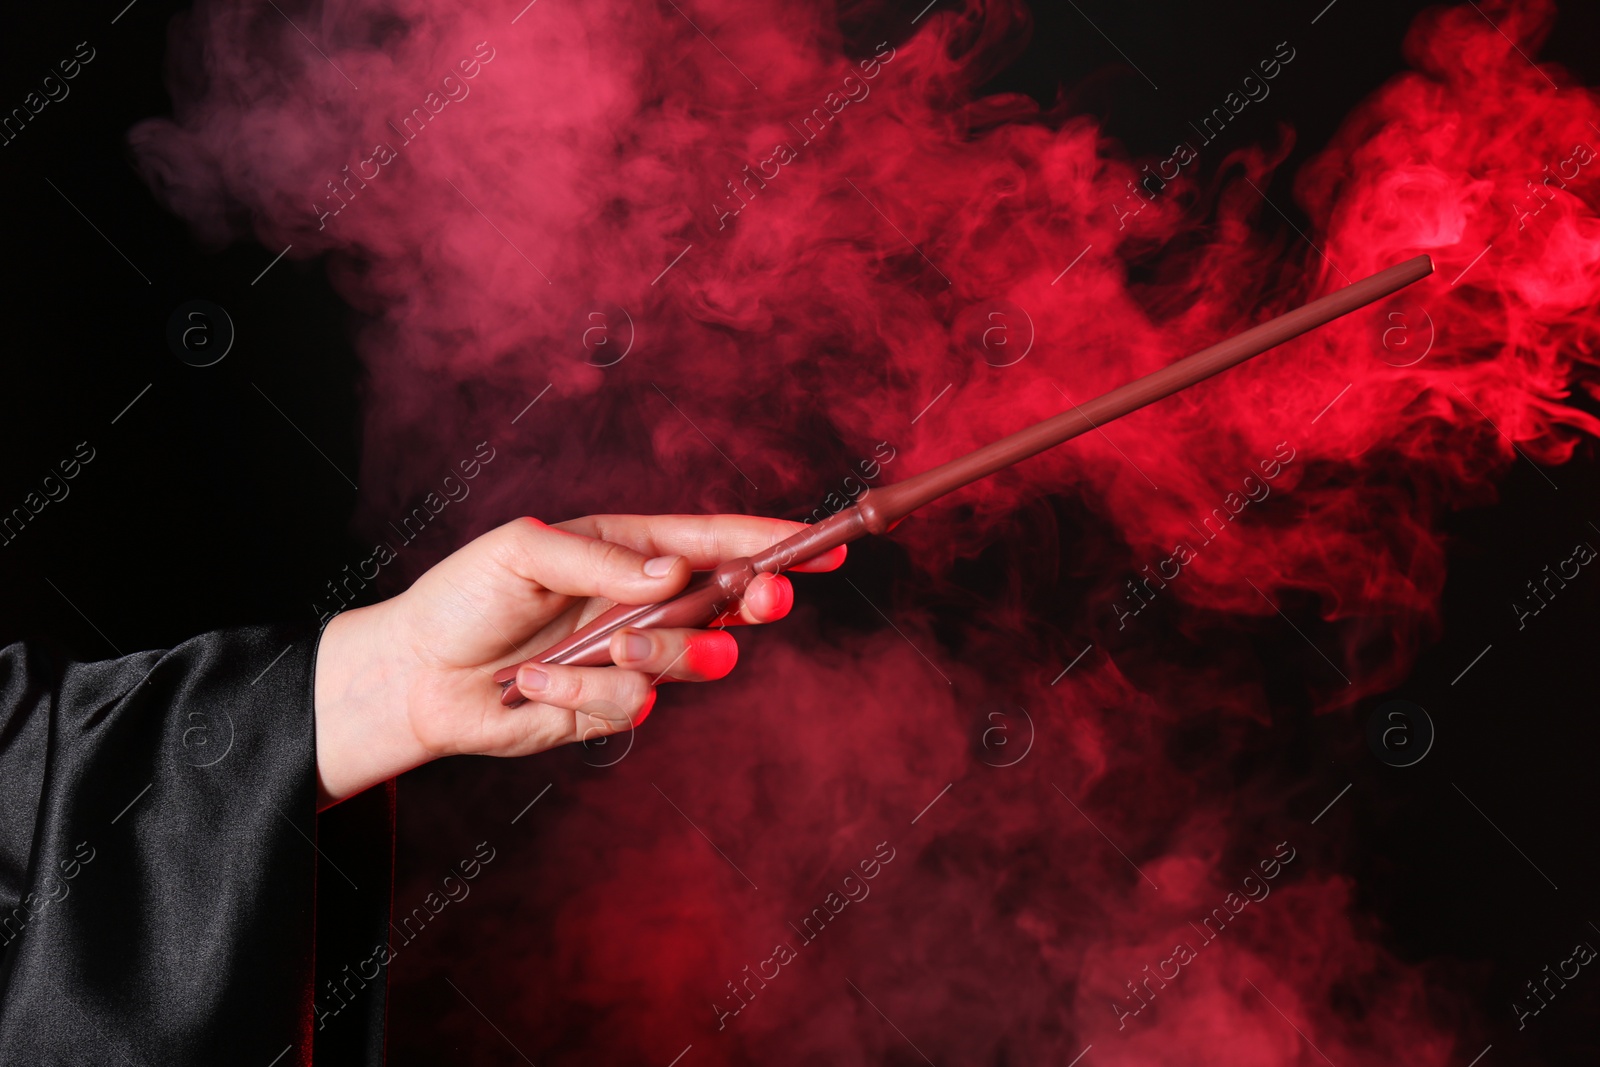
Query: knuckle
{"points": [[634, 690], [711, 542], [608, 712], [515, 545], [605, 694], [610, 559], [604, 527], [602, 720], [566, 686]]}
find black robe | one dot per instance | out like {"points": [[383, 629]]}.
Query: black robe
{"points": [[168, 893]]}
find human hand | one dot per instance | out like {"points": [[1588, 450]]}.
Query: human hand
{"points": [[408, 680]]}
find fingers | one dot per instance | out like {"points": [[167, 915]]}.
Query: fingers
{"points": [[604, 699], [607, 700], [675, 655], [573, 564], [767, 598], [703, 540], [643, 658]]}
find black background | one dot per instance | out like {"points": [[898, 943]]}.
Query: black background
{"points": [[205, 507]]}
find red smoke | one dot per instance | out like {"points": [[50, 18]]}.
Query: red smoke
{"points": [[775, 335]]}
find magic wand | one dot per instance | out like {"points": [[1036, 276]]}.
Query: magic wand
{"points": [[712, 594]]}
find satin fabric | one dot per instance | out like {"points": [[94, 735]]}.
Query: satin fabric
{"points": [[159, 862]]}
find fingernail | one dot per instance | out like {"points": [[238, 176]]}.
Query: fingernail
{"points": [[532, 679], [635, 646], [782, 597], [659, 567]]}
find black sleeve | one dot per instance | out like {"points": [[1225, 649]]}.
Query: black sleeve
{"points": [[158, 857]]}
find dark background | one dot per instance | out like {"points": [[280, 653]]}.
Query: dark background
{"points": [[205, 506]]}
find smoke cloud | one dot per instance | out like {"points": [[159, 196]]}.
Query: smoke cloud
{"points": [[727, 256]]}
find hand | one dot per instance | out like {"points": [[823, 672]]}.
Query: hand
{"points": [[408, 680]]}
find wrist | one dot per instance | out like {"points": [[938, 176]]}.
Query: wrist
{"points": [[360, 699]]}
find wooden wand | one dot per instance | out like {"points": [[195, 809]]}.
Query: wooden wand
{"points": [[712, 594]]}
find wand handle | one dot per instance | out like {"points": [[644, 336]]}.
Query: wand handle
{"points": [[714, 593]]}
